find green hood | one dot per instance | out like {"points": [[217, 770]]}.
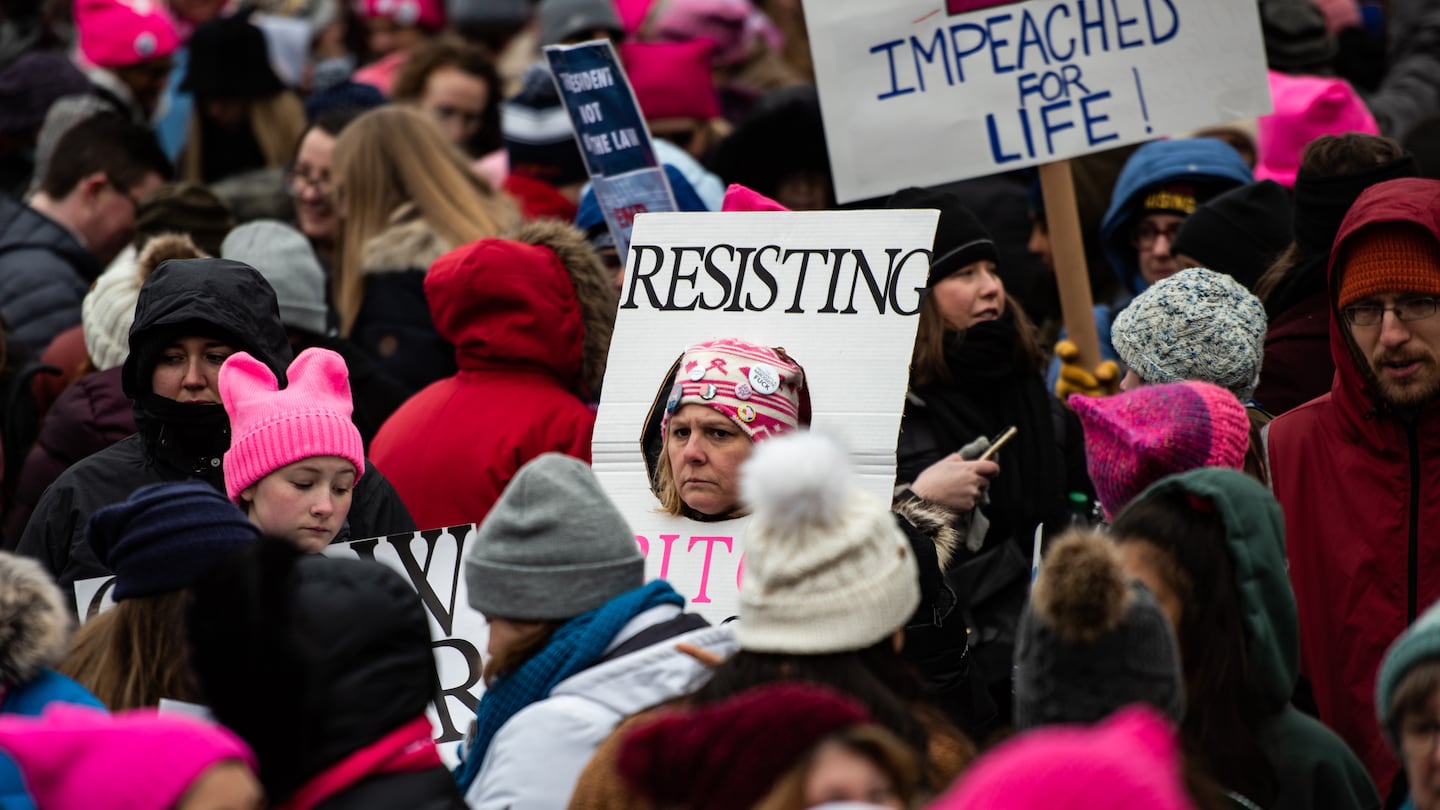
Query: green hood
{"points": [[1255, 535]]}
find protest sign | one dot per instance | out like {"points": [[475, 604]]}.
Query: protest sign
{"points": [[614, 140], [913, 93], [432, 562], [840, 291], [94, 596]]}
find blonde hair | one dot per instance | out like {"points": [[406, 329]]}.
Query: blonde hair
{"points": [[277, 122], [134, 654], [396, 156]]}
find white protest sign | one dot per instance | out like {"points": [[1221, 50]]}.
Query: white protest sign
{"points": [[840, 291], [913, 93], [94, 596], [432, 562]]}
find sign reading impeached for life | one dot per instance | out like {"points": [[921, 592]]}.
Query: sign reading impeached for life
{"points": [[917, 92]]}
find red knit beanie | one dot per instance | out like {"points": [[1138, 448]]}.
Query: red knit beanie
{"points": [[1389, 257]]}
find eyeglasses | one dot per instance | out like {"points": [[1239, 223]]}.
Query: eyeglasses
{"points": [[1410, 309], [299, 180], [1147, 232]]}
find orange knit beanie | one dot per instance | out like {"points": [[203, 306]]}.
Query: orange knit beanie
{"points": [[1389, 257]]}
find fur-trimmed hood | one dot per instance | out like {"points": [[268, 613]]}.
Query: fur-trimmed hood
{"points": [[408, 243], [35, 625], [503, 302]]}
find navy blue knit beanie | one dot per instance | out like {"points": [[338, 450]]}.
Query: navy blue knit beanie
{"points": [[165, 535]]}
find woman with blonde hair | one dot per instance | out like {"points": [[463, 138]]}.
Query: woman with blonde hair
{"points": [[405, 195]]}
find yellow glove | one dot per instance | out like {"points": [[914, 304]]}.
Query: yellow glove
{"points": [[1074, 379]]}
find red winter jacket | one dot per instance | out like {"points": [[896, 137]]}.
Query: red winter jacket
{"points": [[513, 314], [1360, 487]]}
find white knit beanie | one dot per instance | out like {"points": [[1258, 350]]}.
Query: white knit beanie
{"points": [[826, 567], [1195, 325], [109, 308]]}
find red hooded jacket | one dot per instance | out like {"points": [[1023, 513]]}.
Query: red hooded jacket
{"points": [[519, 329], [1360, 487]]}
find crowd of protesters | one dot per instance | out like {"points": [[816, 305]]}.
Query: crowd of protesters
{"points": [[281, 274]]}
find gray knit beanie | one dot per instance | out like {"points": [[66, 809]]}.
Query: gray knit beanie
{"points": [[1091, 641], [1195, 325], [561, 19], [1417, 645], [284, 257], [553, 547]]}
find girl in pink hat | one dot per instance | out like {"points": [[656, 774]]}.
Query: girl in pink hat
{"points": [[294, 454]]}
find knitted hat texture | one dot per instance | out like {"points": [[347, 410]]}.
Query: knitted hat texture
{"points": [[1239, 233], [1389, 257], [284, 257], [672, 79], [1135, 438], [760, 389], [1092, 641], [165, 535], [533, 560], [539, 138], [1131, 761], [273, 427], [120, 33], [691, 758], [1195, 325], [826, 568], [960, 238], [1418, 644], [140, 759]]}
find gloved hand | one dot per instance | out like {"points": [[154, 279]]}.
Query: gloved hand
{"points": [[1074, 379]]}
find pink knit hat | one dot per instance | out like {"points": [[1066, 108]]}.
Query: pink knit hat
{"points": [[1306, 107], [672, 79], [740, 198], [271, 428], [139, 760], [1135, 438], [120, 33], [426, 14], [760, 389], [1131, 761]]}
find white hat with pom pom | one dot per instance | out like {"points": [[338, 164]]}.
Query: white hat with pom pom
{"points": [[827, 568]]}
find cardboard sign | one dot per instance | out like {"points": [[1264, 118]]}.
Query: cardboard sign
{"points": [[432, 562], [913, 94], [840, 291], [614, 140]]}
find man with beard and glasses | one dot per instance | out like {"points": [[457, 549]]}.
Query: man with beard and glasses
{"points": [[1357, 470]]}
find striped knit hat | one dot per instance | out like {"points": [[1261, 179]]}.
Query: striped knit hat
{"points": [[1135, 438], [760, 389], [1389, 257]]}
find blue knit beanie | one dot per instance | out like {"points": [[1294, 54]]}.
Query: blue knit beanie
{"points": [[1418, 644], [165, 535]]}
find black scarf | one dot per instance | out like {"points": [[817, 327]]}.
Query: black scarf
{"points": [[991, 391], [191, 439]]}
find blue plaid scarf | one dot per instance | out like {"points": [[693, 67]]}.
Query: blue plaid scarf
{"points": [[578, 643]]}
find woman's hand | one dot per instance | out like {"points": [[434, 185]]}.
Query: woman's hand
{"points": [[954, 482]]}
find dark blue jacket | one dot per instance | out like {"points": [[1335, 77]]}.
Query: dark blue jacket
{"points": [[44, 275]]}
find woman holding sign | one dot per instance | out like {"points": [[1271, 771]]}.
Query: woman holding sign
{"points": [[975, 374]]}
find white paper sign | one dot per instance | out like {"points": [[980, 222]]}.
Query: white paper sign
{"points": [[94, 596], [840, 291], [912, 94], [432, 562]]}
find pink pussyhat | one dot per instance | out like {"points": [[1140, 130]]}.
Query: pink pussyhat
{"points": [[425, 14], [1306, 107], [1131, 761], [740, 198], [1135, 438], [72, 756], [120, 33], [672, 79], [270, 428]]}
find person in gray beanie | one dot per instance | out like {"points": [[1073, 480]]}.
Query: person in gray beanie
{"points": [[1407, 689], [563, 22], [287, 260], [578, 640], [1092, 640], [1198, 325]]}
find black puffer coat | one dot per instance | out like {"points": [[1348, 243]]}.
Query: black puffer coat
{"points": [[44, 274], [176, 442]]}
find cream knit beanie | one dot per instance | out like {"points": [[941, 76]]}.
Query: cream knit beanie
{"points": [[826, 567]]}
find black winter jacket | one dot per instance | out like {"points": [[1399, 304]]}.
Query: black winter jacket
{"points": [[44, 275], [175, 442]]}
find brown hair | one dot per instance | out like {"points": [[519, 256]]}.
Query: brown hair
{"points": [[446, 52], [878, 745], [134, 654], [394, 156], [506, 661], [927, 363], [1411, 695]]}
